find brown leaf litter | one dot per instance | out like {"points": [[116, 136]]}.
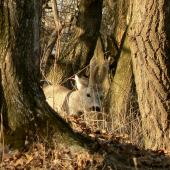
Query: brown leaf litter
{"points": [[112, 153]]}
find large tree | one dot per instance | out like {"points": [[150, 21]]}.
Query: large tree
{"points": [[24, 108], [81, 46], [149, 40], [142, 50], [142, 34]]}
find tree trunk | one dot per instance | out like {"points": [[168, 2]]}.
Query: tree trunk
{"points": [[121, 87], [27, 111], [149, 43], [83, 42], [120, 94]]}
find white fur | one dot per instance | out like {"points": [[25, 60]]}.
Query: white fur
{"points": [[86, 98]]}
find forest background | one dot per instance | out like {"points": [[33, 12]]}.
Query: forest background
{"points": [[132, 35]]}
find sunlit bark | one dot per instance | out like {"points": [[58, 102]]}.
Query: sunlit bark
{"points": [[149, 42], [27, 111]]}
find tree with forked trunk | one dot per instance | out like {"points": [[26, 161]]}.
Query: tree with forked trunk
{"points": [[144, 55], [25, 111], [144, 47]]}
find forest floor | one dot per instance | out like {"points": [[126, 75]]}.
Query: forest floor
{"points": [[112, 153]]}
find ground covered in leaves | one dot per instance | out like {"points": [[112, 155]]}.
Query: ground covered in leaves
{"points": [[112, 153]]}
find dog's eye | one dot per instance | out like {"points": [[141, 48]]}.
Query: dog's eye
{"points": [[88, 95]]}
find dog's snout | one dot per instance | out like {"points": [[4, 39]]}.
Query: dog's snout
{"points": [[96, 108]]}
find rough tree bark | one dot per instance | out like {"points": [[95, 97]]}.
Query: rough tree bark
{"points": [[83, 42], [27, 111], [146, 46], [149, 43], [119, 95]]}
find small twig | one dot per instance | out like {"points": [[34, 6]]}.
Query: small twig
{"points": [[55, 12]]}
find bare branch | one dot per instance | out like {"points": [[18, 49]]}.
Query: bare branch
{"points": [[55, 12]]}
